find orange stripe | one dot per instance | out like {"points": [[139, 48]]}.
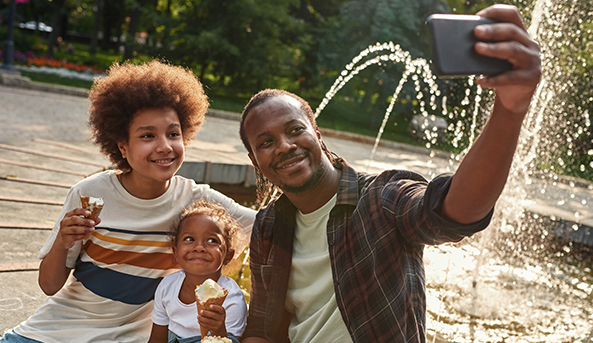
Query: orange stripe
{"points": [[162, 261], [130, 243]]}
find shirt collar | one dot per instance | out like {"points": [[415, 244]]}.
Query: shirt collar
{"points": [[348, 192]]}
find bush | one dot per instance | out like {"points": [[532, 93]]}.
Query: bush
{"points": [[25, 42]]}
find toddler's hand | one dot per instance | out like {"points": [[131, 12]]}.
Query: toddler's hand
{"points": [[213, 319], [75, 227]]}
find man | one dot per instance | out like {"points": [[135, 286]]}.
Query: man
{"points": [[338, 257]]}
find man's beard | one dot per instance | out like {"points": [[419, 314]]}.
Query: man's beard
{"points": [[313, 180]]}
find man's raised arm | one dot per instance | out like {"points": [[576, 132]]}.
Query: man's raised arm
{"points": [[481, 176]]}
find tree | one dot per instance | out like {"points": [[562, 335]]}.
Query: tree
{"points": [[317, 16], [57, 24], [98, 13], [243, 44], [362, 23], [113, 20]]}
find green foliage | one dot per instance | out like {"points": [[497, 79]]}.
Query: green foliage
{"points": [[242, 44], [470, 6], [81, 55], [238, 47], [362, 23], [23, 41]]}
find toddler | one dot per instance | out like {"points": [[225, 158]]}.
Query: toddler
{"points": [[202, 244]]}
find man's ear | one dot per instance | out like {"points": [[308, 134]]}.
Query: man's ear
{"points": [[318, 132], [122, 148], [229, 256], [253, 161]]}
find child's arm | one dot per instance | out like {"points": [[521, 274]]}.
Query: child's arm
{"points": [[158, 334], [53, 272], [213, 320]]}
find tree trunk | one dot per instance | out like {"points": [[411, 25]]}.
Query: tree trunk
{"points": [[96, 28], [56, 24], [131, 36]]}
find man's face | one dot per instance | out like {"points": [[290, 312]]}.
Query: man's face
{"points": [[285, 146]]}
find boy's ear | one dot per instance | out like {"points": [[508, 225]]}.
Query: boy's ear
{"points": [[229, 256], [122, 148], [175, 254]]}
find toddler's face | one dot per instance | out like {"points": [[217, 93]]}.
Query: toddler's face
{"points": [[201, 249]]}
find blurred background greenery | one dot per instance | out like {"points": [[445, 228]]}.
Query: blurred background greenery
{"points": [[238, 47]]}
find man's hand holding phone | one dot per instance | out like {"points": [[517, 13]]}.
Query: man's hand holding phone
{"points": [[509, 40], [495, 44]]}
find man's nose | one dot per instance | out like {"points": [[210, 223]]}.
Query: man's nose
{"points": [[285, 144]]}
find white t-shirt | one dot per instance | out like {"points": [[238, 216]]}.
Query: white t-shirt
{"points": [[182, 318], [311, 296], [118, 267]]}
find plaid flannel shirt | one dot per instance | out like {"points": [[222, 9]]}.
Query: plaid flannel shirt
{"points": [[376, 236]]}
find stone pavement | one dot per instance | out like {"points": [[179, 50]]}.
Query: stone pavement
{"points": [[44, 149]]}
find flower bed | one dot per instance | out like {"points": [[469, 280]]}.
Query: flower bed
{"points": [[29, 62], [50, 62]]}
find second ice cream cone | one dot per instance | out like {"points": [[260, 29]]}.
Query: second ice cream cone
{"points": [[206, 306]]}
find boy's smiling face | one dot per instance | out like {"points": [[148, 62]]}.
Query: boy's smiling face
{"points": [[154, 150], [201, 249]]}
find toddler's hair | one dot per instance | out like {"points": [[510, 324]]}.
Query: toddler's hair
{"points": [[128, 88], [230, 228]]}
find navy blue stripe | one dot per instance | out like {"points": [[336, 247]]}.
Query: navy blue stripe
{"points": [[132, 232], [110, 284]]}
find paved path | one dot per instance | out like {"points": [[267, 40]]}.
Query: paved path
{"points": [[36, 120]]}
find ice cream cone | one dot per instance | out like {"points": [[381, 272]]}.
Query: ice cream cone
{"points": [[90, 204], [206, 306]]}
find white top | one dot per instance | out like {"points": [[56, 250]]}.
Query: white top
{"points": [[119, 266], [182, 318], [311, 296]]}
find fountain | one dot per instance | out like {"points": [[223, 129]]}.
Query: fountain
{"points": [[516, 281]]}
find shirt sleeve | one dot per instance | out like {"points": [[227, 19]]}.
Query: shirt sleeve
{"points": [[414, 205], [236, 311], [159, 313], [258, 295], [72, 201], [243, 215]]}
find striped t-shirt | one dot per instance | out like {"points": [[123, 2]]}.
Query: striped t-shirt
{"points": [[118, 267]]}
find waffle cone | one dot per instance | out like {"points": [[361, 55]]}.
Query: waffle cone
{"points": [[95, 211], [206, 305]]}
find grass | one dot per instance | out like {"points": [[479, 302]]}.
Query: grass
{"points": [[227, 103], [57, 80], [344, 115]]}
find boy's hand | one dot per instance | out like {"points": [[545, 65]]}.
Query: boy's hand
{"points": [[74, 227], [213, 319], [509, 40]]}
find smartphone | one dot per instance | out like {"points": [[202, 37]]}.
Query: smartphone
{"points": [[453, 53]]}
